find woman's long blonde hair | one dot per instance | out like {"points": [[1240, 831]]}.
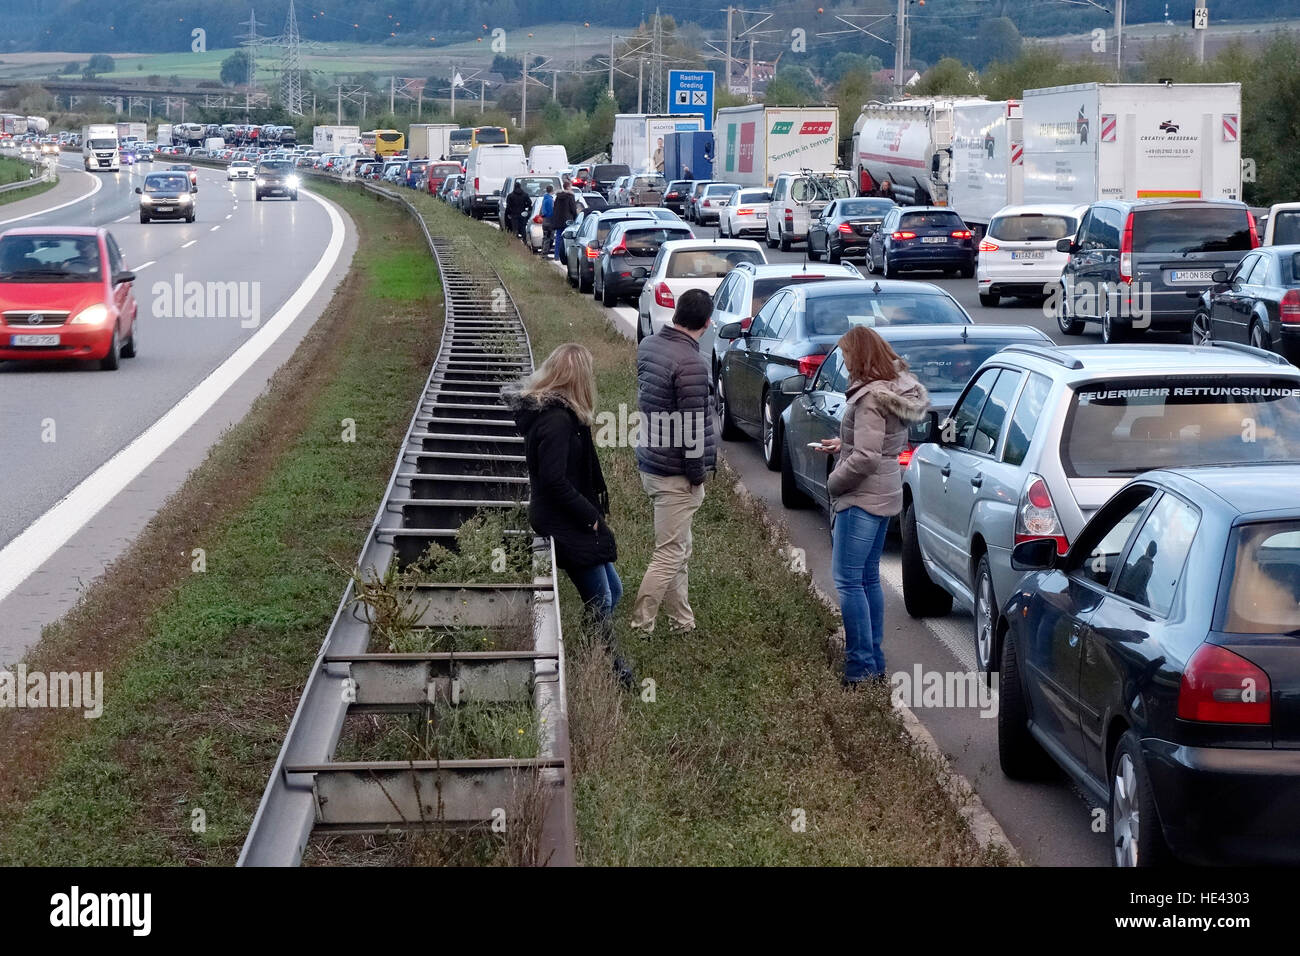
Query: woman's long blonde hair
{"points": [[568, 374]]}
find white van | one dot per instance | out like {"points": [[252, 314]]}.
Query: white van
{"points": [[486, 169], [548, 160]]}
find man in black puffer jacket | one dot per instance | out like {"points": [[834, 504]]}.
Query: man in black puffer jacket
{"points": [[675, 453]]}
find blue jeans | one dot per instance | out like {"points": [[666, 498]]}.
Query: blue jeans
{"points": [[599, 587], [857, 538]]}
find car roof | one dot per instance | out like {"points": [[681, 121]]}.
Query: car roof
{"points": [[927, 209], [676, 245], [54, 231], [651, 223], [1188, 203], [779, 270], [1144, 361], [1248, 488], [974, 333], [623, 212], [878, 286], [1058, 208]]}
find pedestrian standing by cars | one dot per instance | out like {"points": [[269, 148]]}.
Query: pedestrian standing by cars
{"points": [[563, 213], [568, 501], [548, 207], [866, 489], [517, 206], [675, 454]]}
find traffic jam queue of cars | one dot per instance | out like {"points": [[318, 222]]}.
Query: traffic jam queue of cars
{"points": [[1119, 519]]}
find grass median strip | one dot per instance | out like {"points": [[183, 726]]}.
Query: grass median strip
{"points": [[739, 748], [16, 171], [203, 670]]}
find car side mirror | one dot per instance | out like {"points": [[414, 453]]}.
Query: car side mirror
{"points": [[1066, 245], [1220, 276], [1036, 555], [194, 187], [122, 277], [794, 385], [732, 330], [139, 191]]}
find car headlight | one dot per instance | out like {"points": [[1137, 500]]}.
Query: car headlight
{"points": [[146, 198], [95, 314], [293, 182], [186, 197], [261, 181]]}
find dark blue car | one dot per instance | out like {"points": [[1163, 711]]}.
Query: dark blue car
{"points": [[1158, 663], [929, 238]]}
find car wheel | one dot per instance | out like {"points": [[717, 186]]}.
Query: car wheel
{"points": [[871, 262], [1112, 333], [785, 241], [1202, 330], [607, 298], [990, 300], [294, 197], [968, 272], [1134, 823], [921, 596], [833, 255], [772, 437], [641, 323], [767, 236], [887, 267], [722, 232], [791, 496], [1258, 337], [259, 197], [568, 276], [128, 348], [1021, 756], [110, 362], [190, 217], [985, 618], [814, 254], [587, 285], [143, 217], [730, 430], [1067, 323]]}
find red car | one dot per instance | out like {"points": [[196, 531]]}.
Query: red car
{"points": [[438, 173], [188, 168], [65, 293]]}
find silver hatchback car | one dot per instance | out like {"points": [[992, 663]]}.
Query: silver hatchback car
{"points": [[1042, 436]]}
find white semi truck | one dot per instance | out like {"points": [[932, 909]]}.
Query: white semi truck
{"points": [[755, 144], [1096, 141], [639, 137], [99, 147], [965, 153]]}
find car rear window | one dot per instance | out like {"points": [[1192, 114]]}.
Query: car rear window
{"points": [[803, 189], [1204, 229], [1032, 227], [755, 196], [490, 135], [946, 366], [646, 242], [446, 169], [605, 225], [764, 289], [1126, 427], [836, 314], [1286, 227], [708, 263], [609, 172], [931, 220], [720, 190], [1263, 573], [865, 207]]}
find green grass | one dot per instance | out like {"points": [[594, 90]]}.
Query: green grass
{"points": [[748, 732], [14, 171], [195, 715]]}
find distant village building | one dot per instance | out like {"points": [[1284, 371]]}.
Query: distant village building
{"points": [[886, 77]]}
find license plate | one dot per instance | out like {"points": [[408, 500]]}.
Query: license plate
{"points": [[1030, 254], [1191, 275], [162, 208], [760, 215], [33, 340], [934, 239]]}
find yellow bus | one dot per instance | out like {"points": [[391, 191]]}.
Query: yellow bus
{"points": [[489, 136], [386, 141]]}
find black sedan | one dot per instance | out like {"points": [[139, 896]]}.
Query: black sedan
{"points": [[1258, 303], [628, 254], [942, 357], [792, 335], [1158, 664], [845, 227]]}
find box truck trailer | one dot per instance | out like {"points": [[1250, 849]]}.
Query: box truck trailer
{"points": [[164, 136], [639, 138], [332, 139], [1097, 141], [688, 155], [429, 140], [757, 143], [132, 132]]}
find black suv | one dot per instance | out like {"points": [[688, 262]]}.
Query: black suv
{"points": [[1133, 263], [277, 177]]}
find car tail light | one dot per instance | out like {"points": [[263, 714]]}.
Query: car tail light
{"points": [[1290, 310], [1254, 235], [1221, 687], [789, 217], [744, 211], [537, 219], [987, 245], [905, 457], [809, 364], [619, 250], [475, 184], [903, 235], [1126, 251], [593, 253], [845, 227], [708, 202], [1036, 516], [961, 234], [664, 296]]}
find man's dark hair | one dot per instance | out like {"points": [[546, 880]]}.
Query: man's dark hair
{"points": [[694, 308], [550, 188]]}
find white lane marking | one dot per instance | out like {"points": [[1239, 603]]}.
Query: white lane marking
{"points": [[99, 184], [229, 215], [190, 243], [146, 265], [214, 229], [123, 219], [52, 530]]}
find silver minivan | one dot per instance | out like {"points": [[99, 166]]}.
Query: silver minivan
{"points": [[1042, 436]]}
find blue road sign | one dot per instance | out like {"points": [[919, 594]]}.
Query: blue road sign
{"points": [[691, 91]]}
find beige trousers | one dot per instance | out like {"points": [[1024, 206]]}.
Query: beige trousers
{"points": [[665, 583]]}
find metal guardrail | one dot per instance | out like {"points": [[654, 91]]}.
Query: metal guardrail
{"points": [[47, 174], [461, 454]]}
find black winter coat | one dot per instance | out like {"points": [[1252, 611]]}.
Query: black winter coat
{"points": [[567, 493], [565, 210], [517, 203], [673, 394]]}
